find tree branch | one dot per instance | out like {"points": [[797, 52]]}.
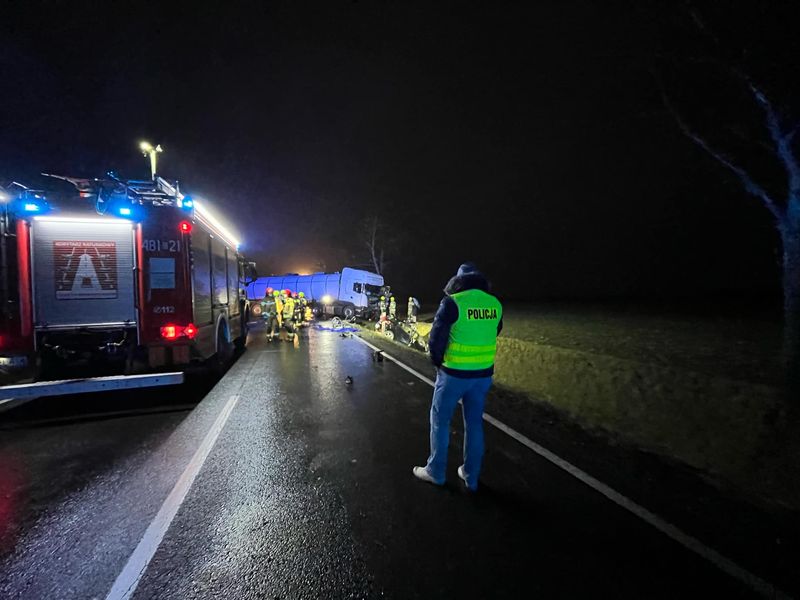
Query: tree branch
{"points": [[760, 143], [781, 138], [792, 133], [748, 182], [371, 227]]}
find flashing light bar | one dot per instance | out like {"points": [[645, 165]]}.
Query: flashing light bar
{"points": [[213, 223], [125, 211], [31, 207]]}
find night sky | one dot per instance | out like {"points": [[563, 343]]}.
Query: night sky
{"points": [[532, 140]]}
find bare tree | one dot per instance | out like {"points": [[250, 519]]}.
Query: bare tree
{"points": [[373, 239], [784, 208]]}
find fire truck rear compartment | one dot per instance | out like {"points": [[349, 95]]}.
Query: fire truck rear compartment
{"points": [[84, 274]]}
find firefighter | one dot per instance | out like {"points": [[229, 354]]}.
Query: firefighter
{"points": [[383, 320], [269, 313], [298, 310], [278, 308], [288, 316], [413, 309], [392, 308], [305, 309], [382, 306]]}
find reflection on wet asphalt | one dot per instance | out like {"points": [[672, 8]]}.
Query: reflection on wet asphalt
{"points": [[308, 493]]}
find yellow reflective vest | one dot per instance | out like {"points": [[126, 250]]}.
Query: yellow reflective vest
{"points": [[473, 337]]}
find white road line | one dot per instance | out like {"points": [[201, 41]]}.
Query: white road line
{"points": [[417, 374], [691, 543], [128, 579]]}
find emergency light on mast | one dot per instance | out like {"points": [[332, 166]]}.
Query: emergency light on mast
{"points": [[148, 150]]}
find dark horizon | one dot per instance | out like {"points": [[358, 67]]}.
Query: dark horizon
{"points": [[530, 140]]}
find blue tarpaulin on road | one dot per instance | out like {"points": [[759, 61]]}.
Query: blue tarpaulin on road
{"points": [[339, 330]]}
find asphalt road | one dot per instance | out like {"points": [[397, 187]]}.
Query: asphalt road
{"points": [[308, 493]]}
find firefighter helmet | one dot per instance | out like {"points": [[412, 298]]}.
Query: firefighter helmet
{"points": [[302, 294], [276, 293]]}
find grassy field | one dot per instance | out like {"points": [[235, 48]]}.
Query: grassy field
{"points": [[736, 348]]}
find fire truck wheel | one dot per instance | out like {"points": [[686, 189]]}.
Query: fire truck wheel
{"points": [[241, 341], [224, 348], [41, 368]]}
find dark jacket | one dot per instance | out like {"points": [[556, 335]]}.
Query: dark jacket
{"points": [[268, 307], [447, 315]]}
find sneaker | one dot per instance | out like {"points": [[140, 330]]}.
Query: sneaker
{"points": [[463, 477], [422, 473]]}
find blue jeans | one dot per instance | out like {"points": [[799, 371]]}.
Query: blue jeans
{"points": [[446, 394]]}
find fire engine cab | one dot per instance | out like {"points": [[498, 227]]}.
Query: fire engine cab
{"points": [[128, 274]]}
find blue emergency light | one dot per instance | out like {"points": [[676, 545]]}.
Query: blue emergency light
{"points": [[30, 204], [120, 206], [132, 212], [186, 203]]}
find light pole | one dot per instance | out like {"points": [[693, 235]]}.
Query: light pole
{"points": [[148, 150]]}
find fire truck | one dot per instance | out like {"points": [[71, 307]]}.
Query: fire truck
{"points": [[121, 275]]}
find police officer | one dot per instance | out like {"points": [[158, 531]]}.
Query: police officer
{"points": [[392, 308], [463, 344]]}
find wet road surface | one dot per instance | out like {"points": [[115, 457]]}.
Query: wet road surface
{"points": [[308, 493]]}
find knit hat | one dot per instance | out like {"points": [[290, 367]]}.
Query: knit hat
{"points": [[466, 269]]}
